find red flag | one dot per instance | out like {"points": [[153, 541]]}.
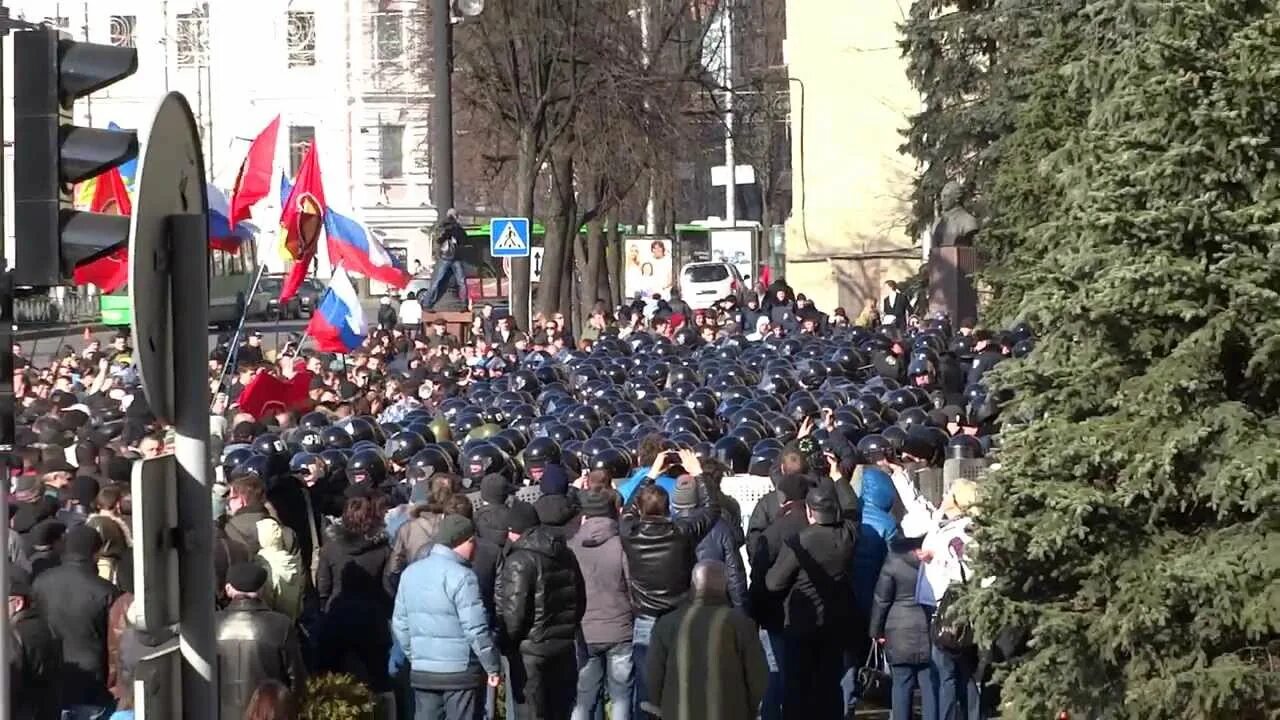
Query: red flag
{"points": [[266, 393], [110, 272], [301, 220], [254, 179]]}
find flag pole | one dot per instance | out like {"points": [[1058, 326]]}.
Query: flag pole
{"points": [[234, 348]]}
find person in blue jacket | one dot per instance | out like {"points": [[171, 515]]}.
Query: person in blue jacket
{"points": [[440, 622], [653, 463]]}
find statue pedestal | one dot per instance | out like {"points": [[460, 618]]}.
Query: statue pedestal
{"points": [[951, 282]]}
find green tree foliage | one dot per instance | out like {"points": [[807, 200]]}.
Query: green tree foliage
{"points": [[334, 696], [950, 47], [1133, 527]]}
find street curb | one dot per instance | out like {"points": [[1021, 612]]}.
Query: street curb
{"points": [[66, 330]]}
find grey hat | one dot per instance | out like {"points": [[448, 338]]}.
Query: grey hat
{"points": [[454, 530], [686, 495]]}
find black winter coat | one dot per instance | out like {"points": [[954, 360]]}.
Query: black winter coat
{"points": [[353, 564], [76, 602], [354, 635], [540, 596], [491, 522], [895, 614], [255, 644], [814, 569], [35, 672], [722, 546], [661, 552], [767, 606], [558, 512]]}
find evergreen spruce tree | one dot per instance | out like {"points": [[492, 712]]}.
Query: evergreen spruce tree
{"points": [[1133, 526], [949, 48]]}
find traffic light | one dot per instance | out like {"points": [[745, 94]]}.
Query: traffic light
{"points": [[51, 154]]}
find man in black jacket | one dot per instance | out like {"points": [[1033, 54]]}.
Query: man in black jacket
{"points": [[661, 552], [76, 602], [813, 569], [36, 661], [539, 599], [491, 513], [255, 643], [766, 606]]}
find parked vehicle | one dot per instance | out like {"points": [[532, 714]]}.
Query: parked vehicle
{"points": [[269, 289], [704, 284]]}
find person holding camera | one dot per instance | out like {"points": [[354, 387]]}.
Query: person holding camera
{"points": [[661, 552]]}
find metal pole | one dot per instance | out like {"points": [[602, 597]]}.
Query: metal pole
{"points": [[442, 104], [646, 42], [730, 161], [6, 392], [234, 347], [190, 303]]}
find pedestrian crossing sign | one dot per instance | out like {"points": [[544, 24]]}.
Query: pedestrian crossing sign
{"points": [[509, 237]]}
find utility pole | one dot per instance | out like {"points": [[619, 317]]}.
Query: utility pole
{"points": [[442, 104], [730, 161]]}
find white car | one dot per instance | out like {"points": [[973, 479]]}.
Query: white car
{"points": [[704, 284]]}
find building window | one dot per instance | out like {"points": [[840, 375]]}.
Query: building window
{"points": [[300, 137], [193, 40], [302, 38], [388, 36], [122, 28], [391, 151]]}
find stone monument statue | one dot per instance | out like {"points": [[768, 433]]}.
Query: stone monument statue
{"points": [[953, 259], [957, 226]]}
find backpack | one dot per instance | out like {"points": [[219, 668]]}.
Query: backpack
{"points": [[949, 633]]}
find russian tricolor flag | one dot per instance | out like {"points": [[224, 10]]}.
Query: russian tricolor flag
{"points": [[353, 246], [221, 235], [337, 325]]}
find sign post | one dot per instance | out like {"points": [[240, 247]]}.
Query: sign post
{"points": [[169, 290], [509, 238]]}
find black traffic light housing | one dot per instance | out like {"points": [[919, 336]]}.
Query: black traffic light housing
{"points": [[51, 154]]}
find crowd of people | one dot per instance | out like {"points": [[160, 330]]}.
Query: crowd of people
{"points": [[723, 514]]}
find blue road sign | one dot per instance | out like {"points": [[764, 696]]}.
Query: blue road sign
{"points": [[509, 237]]}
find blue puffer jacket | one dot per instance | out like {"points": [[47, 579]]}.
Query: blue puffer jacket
{"points": [[874, 533], [629, 486], [439, 618]]}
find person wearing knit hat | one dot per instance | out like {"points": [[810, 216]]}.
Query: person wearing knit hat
{"points": [[819, 606], [491, 514], [37, 657], [439, 621], [454, 530], [685, 496], [539, 601], [557, 507], [255, 643], [521, 518], [76, 602]]}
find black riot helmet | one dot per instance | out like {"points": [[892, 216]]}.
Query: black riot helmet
{"points": [[271, 447], [875, 448], [367, 467], [964, 447], [922, 444], [403, 446], [304, 462], [234, 458], [762, 461], [541, 451], [258, 466], [311, 440], [335, 463], [733, 452], [335, 438], [431, 457], [363, 429], [484, 459], [614, 461], [314, 421]]}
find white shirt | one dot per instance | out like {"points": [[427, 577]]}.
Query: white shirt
{"points": [[410, 313]]}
